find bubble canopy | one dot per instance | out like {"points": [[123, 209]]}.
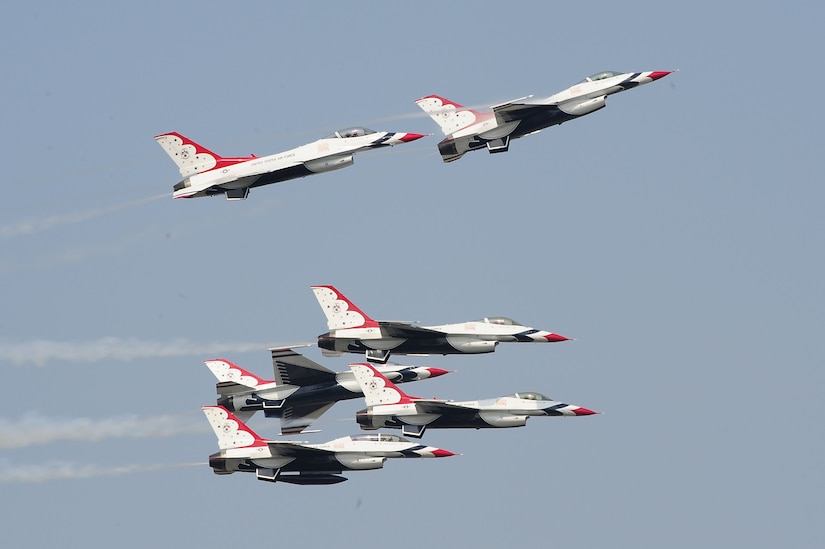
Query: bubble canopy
{"points": [[532, 396], [601, 76], [500, 320], [350, 132]]}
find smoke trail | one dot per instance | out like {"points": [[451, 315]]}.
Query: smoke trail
{"points": [[41, 351], [10, 474], [37, 225], [34, 429]]}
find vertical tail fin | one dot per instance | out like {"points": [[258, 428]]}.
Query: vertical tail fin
{"points": [[340, 311], [231, 431], [377, 388], [225, 371], [192, 158], [449, 115]]}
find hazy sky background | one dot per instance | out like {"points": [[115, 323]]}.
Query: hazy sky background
{"points": [[676, 234]]}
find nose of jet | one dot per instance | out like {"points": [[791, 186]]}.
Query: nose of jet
{"points": [[407, 137], [555, 338], [441, 453], [655, 75], [584, 412], [435, 372]]}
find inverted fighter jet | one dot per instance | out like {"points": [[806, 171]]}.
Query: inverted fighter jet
{"points": [[469, 130], [389, 406], [301, 391], [207, 174], [300, 462], [352, 331]]}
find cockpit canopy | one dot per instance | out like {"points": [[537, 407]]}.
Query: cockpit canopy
{"points": [[601, 76], [378, 437], [500, 320], [351, 132], [532, 396]]}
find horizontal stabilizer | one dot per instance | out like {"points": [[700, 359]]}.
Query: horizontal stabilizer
{"points": [[293, 368], [294, 419], [415, 431]]}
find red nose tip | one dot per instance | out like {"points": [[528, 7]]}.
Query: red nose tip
{"points": [[435, 372], [412, 137], [659, 74], [440, 453], [584, 412], [555, 338]]}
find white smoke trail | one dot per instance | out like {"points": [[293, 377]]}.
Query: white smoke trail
{"points": [[41, 351], [34, 429], [10, 474], [37, 225]]}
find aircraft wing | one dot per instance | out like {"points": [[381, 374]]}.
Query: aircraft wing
{"points": [[403, 330], [293, 368], [295, 419], [517, 110], [297, 449], [437, 406]]}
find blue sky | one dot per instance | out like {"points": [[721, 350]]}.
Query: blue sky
{"points": [[677, 235]]}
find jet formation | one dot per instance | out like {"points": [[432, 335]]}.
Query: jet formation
{"points": [[302, 390]]}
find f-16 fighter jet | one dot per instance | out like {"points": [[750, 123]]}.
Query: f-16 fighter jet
{"points": [[207, 174], [389, 406], [469, 130], [301, 391], [352, 331], [300, 462]]}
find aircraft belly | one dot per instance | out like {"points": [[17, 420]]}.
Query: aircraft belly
{"points": [[540, 121], [422, 346], [285, 174], [426, 346], [460, 420]]}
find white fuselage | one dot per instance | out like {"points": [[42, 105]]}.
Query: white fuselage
{"points": [[325, 154]]}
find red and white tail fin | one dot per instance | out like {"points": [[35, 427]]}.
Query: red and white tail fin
{"points": [[225, 370], [231, 431], [192, 158], [340, 311], [448, 114], [377, 388]]}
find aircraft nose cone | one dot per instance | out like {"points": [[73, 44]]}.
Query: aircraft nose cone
{"points": [[584, 412], [441, 453], [555, 338], [655, 75], [435, 372], [407, 137]]}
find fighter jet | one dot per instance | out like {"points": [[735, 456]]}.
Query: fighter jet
{"points": [[207, 174], [389, 406], [301, 391], [300, 462], [352, 331], [468, 130]]}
